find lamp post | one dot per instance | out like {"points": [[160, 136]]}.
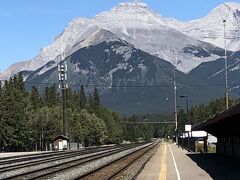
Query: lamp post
{"points": [[178, 130], [187, 106], [179, 108], [188, 119], [226, 65], [175, 98], [187, 102]]}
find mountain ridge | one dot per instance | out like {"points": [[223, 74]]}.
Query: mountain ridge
{"points": [[129, 80], [139, 14]]}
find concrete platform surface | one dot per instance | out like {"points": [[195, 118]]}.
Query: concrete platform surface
{"points": [[152, 169], [172, 163]]}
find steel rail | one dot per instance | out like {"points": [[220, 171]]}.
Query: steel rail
{"points": [[91, 173], [53, 169]]}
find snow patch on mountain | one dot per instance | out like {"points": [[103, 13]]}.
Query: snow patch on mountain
{"points": [[125, 51], [142, 67], [120, 66], [43, 70], [235, 68], [234, 88]]}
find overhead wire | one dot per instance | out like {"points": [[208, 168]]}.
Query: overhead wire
{"points": [[134, 86]]}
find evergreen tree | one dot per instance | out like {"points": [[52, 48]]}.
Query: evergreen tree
{"points": [[30, 121], [2, 124], [96, 99], [82, 98], [70, 99], [93, 129], [14, 115], [35, 98], [51, 96], [20, 82]]}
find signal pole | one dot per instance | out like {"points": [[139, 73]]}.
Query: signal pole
{"points": [[175, 103], [226, 65], [62, 69], [175, 98]]}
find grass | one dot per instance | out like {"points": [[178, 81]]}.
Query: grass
{"points": [[200, 148]]}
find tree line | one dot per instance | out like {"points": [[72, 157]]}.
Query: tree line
{"points": [[30, 120], [196, 114]]}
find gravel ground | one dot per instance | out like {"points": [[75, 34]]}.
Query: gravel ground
{"points": [[45, 158], [35, 167], [82, 169], [3, 155], [133, 170], [120, 165]]}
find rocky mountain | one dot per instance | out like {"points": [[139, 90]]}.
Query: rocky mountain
{"points": [[129, 79], [136, 23], [148, 31], [129, 54]]}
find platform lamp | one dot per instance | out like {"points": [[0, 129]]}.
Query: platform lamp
{"points": [[175, 95], [226, 65], [178, 131], [187, 106]]}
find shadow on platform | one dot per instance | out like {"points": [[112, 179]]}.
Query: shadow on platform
{"points": [[217, 166]]}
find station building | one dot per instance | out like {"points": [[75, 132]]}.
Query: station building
{"points": [[61, 142], [226, 127]]}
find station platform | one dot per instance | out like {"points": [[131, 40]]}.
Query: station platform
{"points": [[172, 163]]}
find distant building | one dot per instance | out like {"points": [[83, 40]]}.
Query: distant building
{"points": [[60, 142], [211, 139]]}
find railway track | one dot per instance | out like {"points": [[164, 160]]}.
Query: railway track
{"points": [[17, 171], [16, 164], [117, 168], [12, 159]]}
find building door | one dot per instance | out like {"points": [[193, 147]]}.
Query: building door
{"points": [[60, 145]]}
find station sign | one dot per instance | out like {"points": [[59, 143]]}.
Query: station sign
{"points": [[188, 128]]}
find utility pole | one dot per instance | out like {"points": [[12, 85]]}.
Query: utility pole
{"points": [[175, 99], [226, 65], [62, 69]]}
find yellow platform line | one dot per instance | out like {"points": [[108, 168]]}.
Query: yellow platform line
{"points": [[163, 172]]}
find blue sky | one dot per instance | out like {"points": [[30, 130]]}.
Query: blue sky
{"points": [[28, 25]]}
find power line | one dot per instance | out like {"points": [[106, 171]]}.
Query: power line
{"points": [[148, 122], [214, 37], [131, 86], [136, 86]]}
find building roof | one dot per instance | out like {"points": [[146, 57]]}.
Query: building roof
{"points": [[61, 137], [224, 124]]}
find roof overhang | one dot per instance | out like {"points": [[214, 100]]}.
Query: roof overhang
{"points": [[61, 137], [224, 124]]}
